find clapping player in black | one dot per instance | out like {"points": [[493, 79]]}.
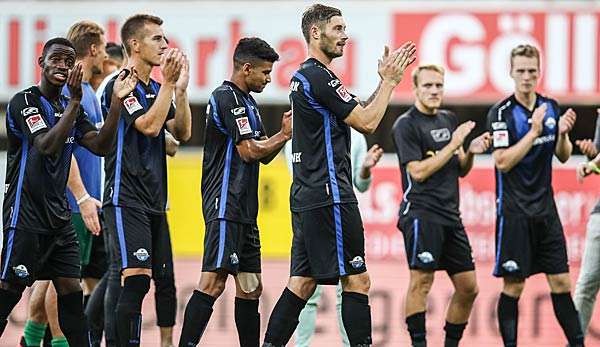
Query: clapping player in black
{"points": [[39, 240], [429, 143], [328, 243], [135, 194]]}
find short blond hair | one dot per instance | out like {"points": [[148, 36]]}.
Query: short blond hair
{"points": [[83, 34], [431, 67], [524, 50]]}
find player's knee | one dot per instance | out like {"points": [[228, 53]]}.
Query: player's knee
{"points": [[468, 291], [420, 283], [253, 295], [513, 287], [212, 284], [303, 287], [360, 283], [66, 286], [559, 283]]}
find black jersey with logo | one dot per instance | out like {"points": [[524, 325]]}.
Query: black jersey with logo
{"points": [[418, 136], [322, 173], [527, 188], [136, 167], [35, 197], [230, 185]]}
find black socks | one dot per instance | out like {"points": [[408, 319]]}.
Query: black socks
{"points": [[197, 314]]}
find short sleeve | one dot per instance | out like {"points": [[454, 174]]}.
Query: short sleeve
{"points": [[497, 126], [83, 125], [407, 141], [235, 117], [132, 108], [26, 116], [331, 93]]}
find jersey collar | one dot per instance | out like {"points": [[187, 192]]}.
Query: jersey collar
{"points": [[234, 86]]}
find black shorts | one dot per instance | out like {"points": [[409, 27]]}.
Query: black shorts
{"points": [[526, 246], [138, 238], [27, 257], [230, 246], [435, 246], [98, 263], [328, 242]]}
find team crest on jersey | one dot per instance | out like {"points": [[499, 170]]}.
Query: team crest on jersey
{"points": [[21, 271], [35, 123], [510, 266], [141, 254], [243, 125], [132, 104], [550, 123], [425, 257], [357, 262], [501, 138], [233, 258], [238, 111], [343, 93], [29, 111], [440, 135]]}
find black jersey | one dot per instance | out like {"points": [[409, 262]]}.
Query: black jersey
{"points": [[230, 185], [35, 197], [136, 167], [527, 187], [418, 136], [322, 174]]}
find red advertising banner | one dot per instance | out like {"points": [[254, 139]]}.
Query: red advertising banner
{"points": [[379, 208]]}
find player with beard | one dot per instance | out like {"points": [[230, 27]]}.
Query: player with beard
{"points": [[528, 131], [328, 242], [429, 144], [39, 240], [236, 145], [135, 194]]}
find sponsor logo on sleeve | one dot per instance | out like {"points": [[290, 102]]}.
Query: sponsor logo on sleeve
{"points": [[238, 111], [440, 135], [35, 123], [343, 93], [28, 111], [334, 83], [501, 138], [132, 104], [243, 125]]}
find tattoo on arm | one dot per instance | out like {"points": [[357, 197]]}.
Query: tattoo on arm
{"points": [[372, 97]]}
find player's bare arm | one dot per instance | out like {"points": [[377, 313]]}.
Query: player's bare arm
{"points": [[100, 142], [52, 142], [88, 206], [151, 123], [479, 145], [181, 125], [265, 150], [420, 170], [391, 70], [564, 147], [506, 159]]}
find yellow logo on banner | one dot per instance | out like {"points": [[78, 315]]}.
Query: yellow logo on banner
{"points": [[185, 206]]}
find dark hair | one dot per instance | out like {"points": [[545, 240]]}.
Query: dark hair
{"points": [[56, 41], [133, 24], [114, 51], [318, 15], [83, 34], [253, 49]]}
